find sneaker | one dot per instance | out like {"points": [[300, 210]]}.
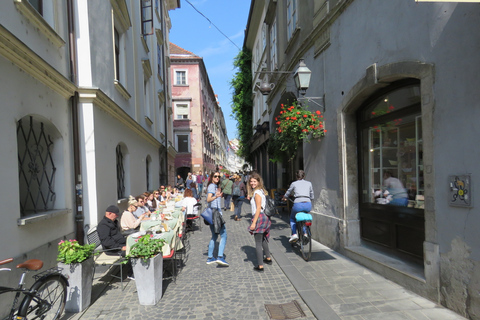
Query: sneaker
{"points": [[131, 278], [222, 262], [211, 260], [293, 238]]}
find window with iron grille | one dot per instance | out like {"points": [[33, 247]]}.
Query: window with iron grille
{"points": [[36, 167], [120, 173]]}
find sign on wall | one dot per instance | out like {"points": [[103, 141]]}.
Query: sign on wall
{"points": [[460, 190]]}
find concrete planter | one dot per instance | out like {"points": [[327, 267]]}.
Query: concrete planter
{"points": [[80, 278], [148, 279]]}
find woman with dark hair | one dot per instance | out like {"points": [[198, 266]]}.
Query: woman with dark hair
{"points": [[151, 202], [302, 192], [193, 188], [214, 196], [260, 227]]}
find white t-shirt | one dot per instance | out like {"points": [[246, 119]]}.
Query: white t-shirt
{"points": [[252, 201], [188, 203]]}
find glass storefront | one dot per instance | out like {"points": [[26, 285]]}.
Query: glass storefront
{"points": [[391, 164]]}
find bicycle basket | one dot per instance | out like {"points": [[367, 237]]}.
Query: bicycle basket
{"points": [[302, 216]]}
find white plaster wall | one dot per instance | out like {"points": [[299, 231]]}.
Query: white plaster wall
{"points": [[109, 133], [22, 95], [28, 33]]}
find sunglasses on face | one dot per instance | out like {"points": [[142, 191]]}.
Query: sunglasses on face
{"points": [[216, 176]]}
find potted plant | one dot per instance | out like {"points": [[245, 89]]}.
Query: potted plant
{"points": [[147, 263], [76, 262], [294, 125]]}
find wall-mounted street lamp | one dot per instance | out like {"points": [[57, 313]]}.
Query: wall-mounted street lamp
{"points": [[301, 76]]}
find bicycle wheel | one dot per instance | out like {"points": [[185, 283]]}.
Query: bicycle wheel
{"points": [[306, 242], [49, 301]]}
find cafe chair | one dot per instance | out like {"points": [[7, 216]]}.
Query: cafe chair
{"points": [[195, 216], [171, 259], [101, 258]]}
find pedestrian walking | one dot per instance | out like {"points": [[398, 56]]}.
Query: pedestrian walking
{"points": [[227, 186], [260, 227], [302, 191], [200, 180], [214, 196], [238, 196]]}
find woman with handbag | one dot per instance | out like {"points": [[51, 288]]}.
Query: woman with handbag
{"points": [[260, 227], [214, 196]]}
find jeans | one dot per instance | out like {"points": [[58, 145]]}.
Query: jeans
{"points": [[298, 207], [238, 201], [200, 189], [223, 241], [226, 202]]}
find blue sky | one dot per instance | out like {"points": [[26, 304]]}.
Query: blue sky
{"points": [[193, 32]]}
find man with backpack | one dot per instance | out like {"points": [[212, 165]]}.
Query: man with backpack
{"points": [[226, 186]]}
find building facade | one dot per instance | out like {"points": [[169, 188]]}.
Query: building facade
{"points": [[199, 125], [388, 193], [84, 115]]}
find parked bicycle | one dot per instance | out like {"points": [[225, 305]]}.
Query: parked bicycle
{"points": [[44, 300], [304, 222]]}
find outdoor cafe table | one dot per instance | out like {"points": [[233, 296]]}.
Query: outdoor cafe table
{"points": [[168, 236]]}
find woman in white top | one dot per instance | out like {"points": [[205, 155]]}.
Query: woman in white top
{"points": [[260, 227], [188, 202]]}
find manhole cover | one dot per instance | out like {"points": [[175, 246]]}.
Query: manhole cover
{"points": [[290, 310]]}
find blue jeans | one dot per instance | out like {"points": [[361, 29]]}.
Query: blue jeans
{"points": [[226, 202], [200, 189], [223, 241], [298, 207], [237, 201]]}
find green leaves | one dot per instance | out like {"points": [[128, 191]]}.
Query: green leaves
{"points": [[294, 125], [242, 108], [146, 247], [72, 252]]}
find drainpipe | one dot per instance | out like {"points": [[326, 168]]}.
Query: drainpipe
{"points": [[79, 217]]}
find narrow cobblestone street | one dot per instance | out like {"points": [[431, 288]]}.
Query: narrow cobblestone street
{"points": [[329, 286]]}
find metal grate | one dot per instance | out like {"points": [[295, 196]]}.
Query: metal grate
{"points": [[120, 174], [36, 167], [290, 310]]}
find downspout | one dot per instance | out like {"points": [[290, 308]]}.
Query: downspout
{"points": [[165, 111], [79, 217]]}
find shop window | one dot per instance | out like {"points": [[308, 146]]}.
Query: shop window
{"points": [[391, 168]]}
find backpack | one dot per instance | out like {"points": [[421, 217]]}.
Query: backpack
{"points": [[270, 209], [236, 189]]}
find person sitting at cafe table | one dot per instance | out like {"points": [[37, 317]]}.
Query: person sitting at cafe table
{"points": [[128, 221], [188, 202], [112, 240], [151, 202], [141, 209], [109, 233], [163, 198]]}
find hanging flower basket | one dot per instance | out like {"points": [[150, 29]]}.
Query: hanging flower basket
{"points": [[294, 125]]}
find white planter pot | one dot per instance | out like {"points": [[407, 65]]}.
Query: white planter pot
{"points": [[80, 278], [148, 279]]}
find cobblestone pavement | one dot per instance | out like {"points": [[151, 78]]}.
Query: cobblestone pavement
{"points": [[329, 286]]}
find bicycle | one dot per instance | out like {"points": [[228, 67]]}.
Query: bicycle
{"points": [[304, 222], [44, 300]]}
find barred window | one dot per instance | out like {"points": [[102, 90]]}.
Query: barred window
{"points": [[36, 166]]}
